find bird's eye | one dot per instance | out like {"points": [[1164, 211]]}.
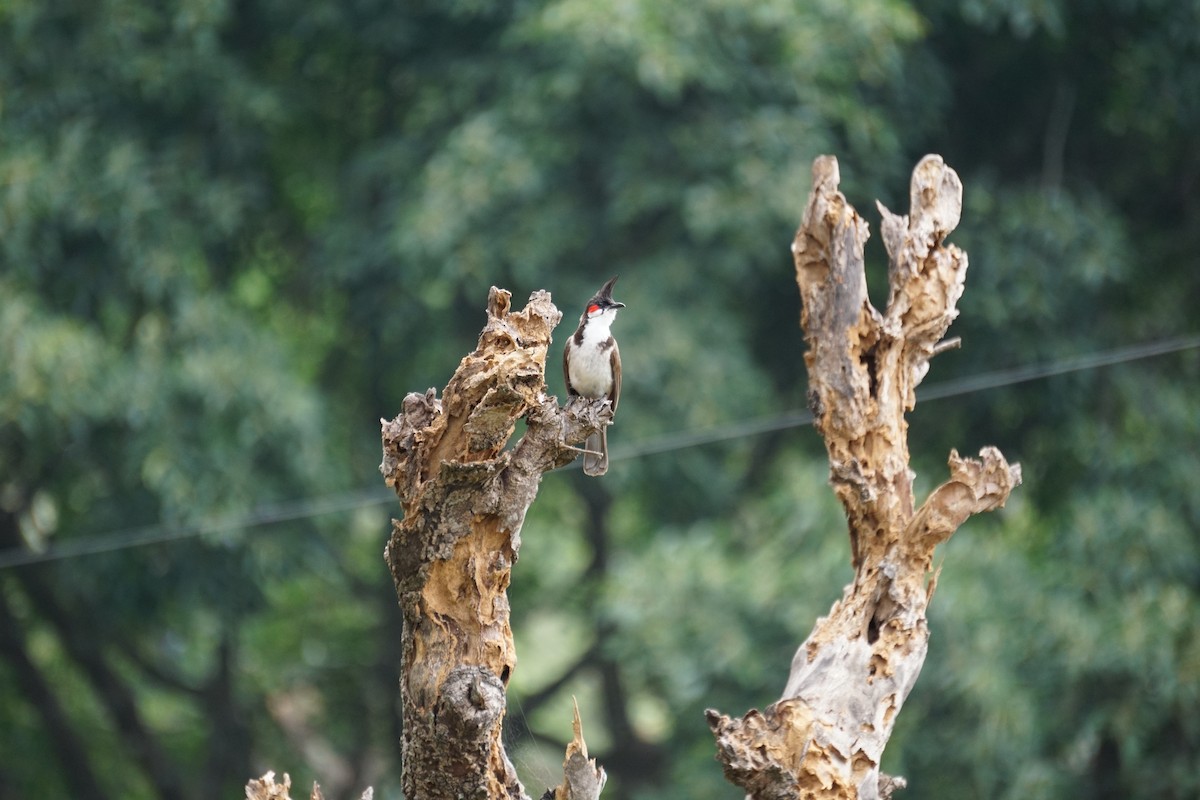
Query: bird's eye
{"points": [[593, 309]]}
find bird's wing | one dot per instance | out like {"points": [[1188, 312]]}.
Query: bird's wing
{"points": [[615, 360], [567, 368]]}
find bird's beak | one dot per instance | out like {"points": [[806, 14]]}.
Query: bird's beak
{"points": [[617, 305]]}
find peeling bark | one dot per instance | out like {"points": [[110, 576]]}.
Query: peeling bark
{"points": [[825, 737], [465, 498]]}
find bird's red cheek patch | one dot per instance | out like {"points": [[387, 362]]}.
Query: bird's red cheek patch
{"points": [[593, 309]]}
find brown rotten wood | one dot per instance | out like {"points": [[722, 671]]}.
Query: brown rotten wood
{"points": [[464, 498], [825, 737]]}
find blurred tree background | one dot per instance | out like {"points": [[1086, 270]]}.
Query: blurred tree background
{"points": [[234, 233]]}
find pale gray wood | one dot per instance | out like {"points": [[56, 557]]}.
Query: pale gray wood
{"points": [[825, 736]]}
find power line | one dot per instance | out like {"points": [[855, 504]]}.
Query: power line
{"points": [[1015, 375], [347, 501], [153, 534], [952, 388]]}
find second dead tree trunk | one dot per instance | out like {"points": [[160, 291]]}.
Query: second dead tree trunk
{"points": [[825, 737]]}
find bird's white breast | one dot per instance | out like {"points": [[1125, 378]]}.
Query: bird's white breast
{"points": [[589, 366]]}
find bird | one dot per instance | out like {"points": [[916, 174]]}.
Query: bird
{"points": [[592, 368]]}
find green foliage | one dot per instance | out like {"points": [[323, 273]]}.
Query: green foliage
{"points": [[730, 593], [233, 235]]}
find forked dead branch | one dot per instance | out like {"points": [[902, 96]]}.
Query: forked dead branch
{"points": [[825, 737]]}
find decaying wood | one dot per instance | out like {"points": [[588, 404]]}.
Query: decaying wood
{"points": [[582, 779], [825, 737], [265, 788], [464, 498]]}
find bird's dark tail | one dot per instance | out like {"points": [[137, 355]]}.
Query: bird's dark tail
{"points": [[595, 461]]}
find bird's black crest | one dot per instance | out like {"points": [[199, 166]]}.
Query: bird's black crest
{"points": [[606, 290]]}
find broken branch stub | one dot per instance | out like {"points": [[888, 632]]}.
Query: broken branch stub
{"points": [[825, 737], [465, 498], [582, 778]]}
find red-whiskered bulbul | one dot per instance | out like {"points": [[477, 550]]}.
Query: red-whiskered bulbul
{"points": [[592, 368]]}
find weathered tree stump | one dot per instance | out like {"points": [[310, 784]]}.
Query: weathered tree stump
{"points": [[464, 498], [825, 737]]}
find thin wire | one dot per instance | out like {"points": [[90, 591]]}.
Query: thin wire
{"points": [[1015, 375], [347, 501], [153, 534], [953, 388]]}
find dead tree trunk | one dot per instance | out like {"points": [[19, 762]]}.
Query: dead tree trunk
{"points": [[464, 498], [825, 737]]}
